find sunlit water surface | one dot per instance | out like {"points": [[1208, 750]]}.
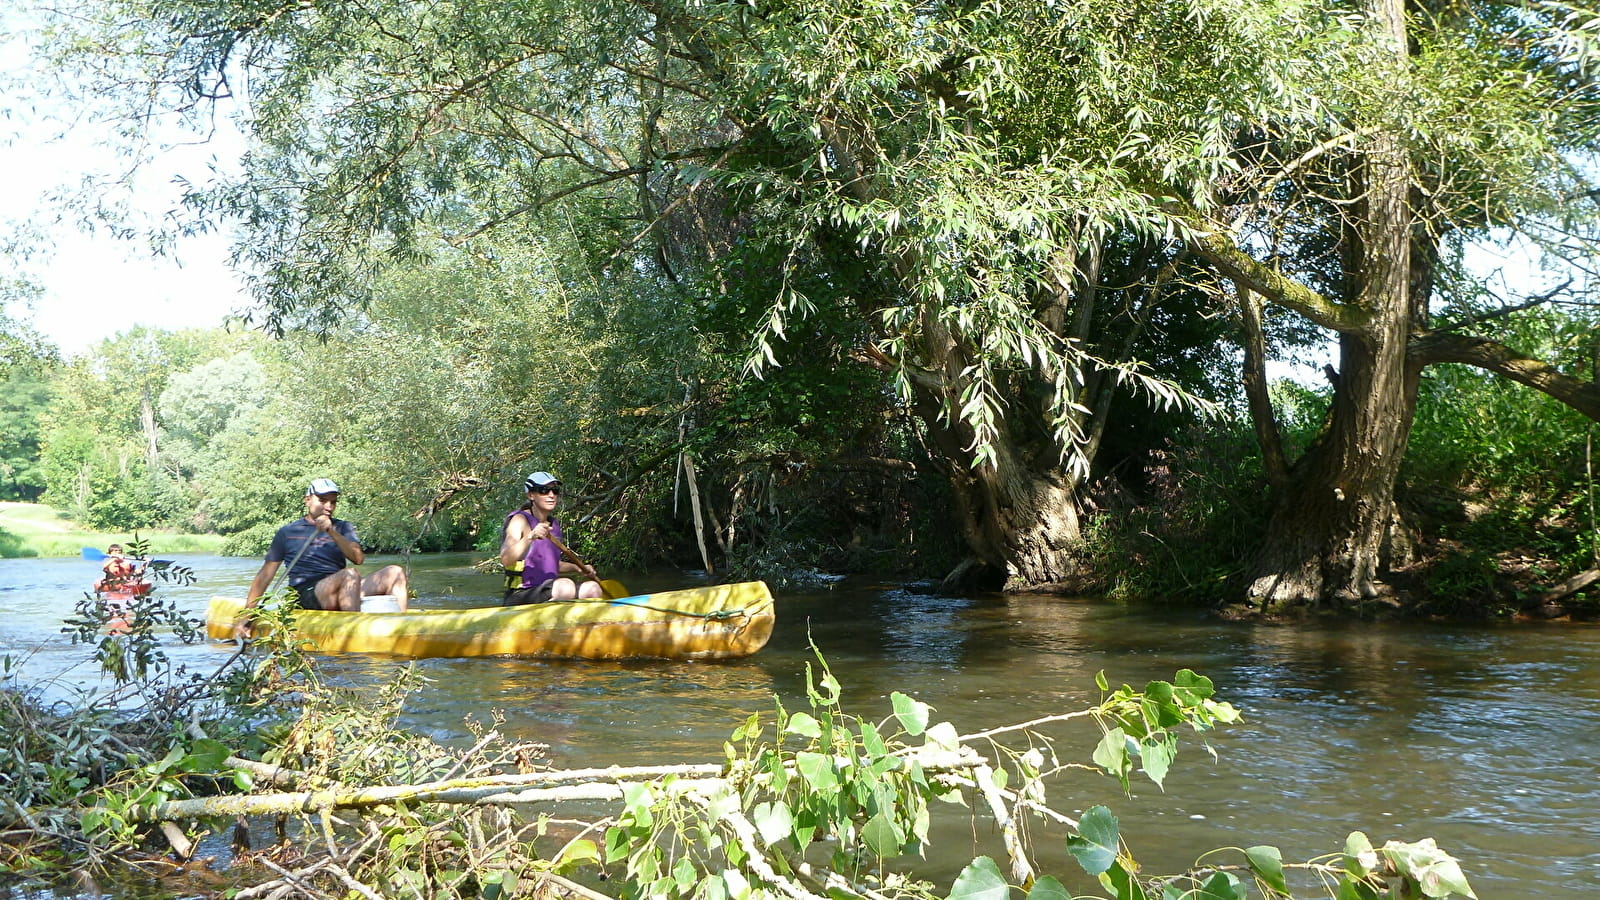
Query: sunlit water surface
{"points": [[1485, 738]]}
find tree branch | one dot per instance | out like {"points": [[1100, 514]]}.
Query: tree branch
{"points": [[1536, 300], [1273, 287], [1444, 347]]}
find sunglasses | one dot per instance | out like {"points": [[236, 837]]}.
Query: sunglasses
{"points": [[550, 489]]}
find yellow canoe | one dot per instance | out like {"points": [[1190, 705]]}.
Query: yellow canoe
{"points": [[719, 622]]}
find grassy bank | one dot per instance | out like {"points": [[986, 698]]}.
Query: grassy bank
{"points": [[36, 530]]}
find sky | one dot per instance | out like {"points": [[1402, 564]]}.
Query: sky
{"points": [[96, 285]]}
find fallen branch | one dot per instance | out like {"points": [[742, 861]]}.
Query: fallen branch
{"points": [[465, 791], [1572, 585]]}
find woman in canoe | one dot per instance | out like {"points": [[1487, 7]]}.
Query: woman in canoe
{"points": [[527, 546]]}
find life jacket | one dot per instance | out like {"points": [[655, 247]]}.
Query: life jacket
{"points": [[120, 579]]}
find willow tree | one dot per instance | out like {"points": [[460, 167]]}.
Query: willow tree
{"points": [[1442, 123], [1002, 195], [854, 139]]}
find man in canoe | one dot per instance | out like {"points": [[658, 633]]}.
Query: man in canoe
{"points": [[319, 549], [527, 543]]}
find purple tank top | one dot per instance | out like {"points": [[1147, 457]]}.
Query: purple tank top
{"points": [[542, 561]]}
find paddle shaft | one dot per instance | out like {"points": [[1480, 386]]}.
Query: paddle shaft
{"points": [[283, 572], [93, 554], [578, 561], [244, 635]]}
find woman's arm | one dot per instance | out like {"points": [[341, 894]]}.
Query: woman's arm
{"points": [[514, 546]]}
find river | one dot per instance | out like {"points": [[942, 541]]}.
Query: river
{"points": [[1486, 738]]}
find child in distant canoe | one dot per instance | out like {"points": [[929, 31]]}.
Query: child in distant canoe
{"points": [[527, 544], [119, 575], [121, 580]]}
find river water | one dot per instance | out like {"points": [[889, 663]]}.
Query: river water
{"points": [[1486, 738]]}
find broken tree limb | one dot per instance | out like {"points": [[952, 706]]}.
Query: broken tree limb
{"points": [[1572, 585], [504, 790], [984, 778], [465, 790]]}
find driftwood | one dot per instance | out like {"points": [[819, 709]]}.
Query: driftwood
{"points": [[1572, 585], [960, 766], [505, 790], [949, 760]]}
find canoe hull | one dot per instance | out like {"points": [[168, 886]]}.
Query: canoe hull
{"points": [[718, 622]]}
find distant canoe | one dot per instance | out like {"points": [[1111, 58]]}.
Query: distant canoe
{"points": [[123, 589], [719, 622]]}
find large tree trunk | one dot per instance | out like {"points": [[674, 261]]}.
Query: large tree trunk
{"points": [[1017, 512], [1332, 529], [1019, 518], [1334, 526]]}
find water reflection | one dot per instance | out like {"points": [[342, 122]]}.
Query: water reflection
{"points": [[1484, 738]]}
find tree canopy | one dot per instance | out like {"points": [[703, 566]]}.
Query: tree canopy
{"points": [[1030, 225]]}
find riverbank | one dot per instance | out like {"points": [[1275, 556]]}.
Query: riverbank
{"points": [[37, 531]]}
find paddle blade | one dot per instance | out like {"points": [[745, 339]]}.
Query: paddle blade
{"points": [[612, 589], [94, 555]]}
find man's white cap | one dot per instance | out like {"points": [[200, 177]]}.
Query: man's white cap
{"points": [[322, 486]]}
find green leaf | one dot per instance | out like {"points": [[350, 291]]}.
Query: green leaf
{"points": [[1267, 863], [774, 822], [636, 800], [777, 770], [207, 755], [913, 714], [980, 880], [831, 689], [1156, 755], [1122, 884], [617, 845], [1048, 888], [805, 827], [1360, 860], [881, 836], [804, 725], [944, 737], [578, 853], [685, 874], [720, 801], [871, 741], [818, 770], [750, 729], [712, 887], [1096, 843], [174, 755], [1112, 753], [1221, 886], [1193, 688], [1435, 871]]}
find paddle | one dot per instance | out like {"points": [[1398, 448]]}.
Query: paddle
{"points": [[611, 590], [94, 555]]}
